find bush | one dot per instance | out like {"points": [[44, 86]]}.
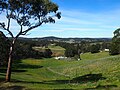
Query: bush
{"points": [[115, 45], [47, 53], [95, 48], [69, 53], [114, 49]]}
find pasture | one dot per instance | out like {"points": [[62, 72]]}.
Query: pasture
{"points": [[56, 50], [101, 72]]}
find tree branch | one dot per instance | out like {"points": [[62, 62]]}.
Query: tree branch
{"points": [[19, 32], [8, 28], [3, 27], [37, 25]]}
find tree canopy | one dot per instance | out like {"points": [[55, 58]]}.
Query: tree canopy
{"points": [[95, 48], [28, 15], [115, 45], [117, 33]]}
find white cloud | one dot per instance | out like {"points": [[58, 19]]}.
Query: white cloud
{"points": [[80, 21]]}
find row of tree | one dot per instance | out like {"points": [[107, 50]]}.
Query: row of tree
{"points": [[75, 49], [23, 50]]}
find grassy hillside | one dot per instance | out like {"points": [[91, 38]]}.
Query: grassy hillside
{"points": [[99, 71], [90, 56]]}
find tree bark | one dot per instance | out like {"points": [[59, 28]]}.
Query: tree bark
{"points": [[8, 73]]}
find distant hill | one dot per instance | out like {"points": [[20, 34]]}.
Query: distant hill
{"points": [[69, 40]]}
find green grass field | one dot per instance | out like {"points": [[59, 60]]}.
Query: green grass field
{"points": [[56, 50], [94, 72]]}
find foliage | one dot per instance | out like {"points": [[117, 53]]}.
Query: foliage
{"points": [[105, 45], [4, 49], [70, 51], [115, 45], [25, 50], [95, 48], [47, 53], [28, 15], [114, 49], [84, 47]]}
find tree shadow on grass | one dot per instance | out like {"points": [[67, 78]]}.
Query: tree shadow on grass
{"points": [[81, 79], [13, 70], [105, 87], [12, 88], [21, 68], [88, 78], [19, 65], [26, 66], [3, 73]]}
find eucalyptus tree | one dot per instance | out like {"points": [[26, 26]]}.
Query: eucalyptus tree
{"points": [[116, 34], [28, 15], [115, 45]]}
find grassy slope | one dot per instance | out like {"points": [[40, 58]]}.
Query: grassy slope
{"points": [[93, 72]]}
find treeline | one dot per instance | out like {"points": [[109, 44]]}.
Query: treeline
{"points": [[23, 50], [74, 49], [94, 47]]}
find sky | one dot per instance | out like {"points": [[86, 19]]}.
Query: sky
{"points": [[82, 18]]}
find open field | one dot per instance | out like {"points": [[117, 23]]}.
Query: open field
{"points": [[56, 50], [90, 56], [101, 72]]}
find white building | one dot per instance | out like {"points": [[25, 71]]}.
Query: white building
{"points": [[106, 50]]}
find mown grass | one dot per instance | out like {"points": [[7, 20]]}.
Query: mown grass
{"points": [[101, 72]]}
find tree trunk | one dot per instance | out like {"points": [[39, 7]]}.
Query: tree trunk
{"points": [[79, 52], [8, 73]]}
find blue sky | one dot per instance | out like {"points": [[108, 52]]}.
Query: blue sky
{"points": [[83, 18]]}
